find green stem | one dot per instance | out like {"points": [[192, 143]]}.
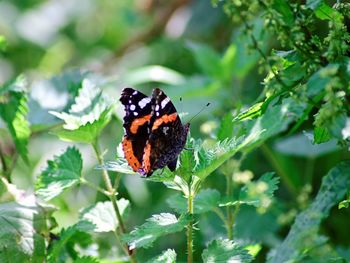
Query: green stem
{"points": [[112, 197], [309, 169], [229, 222], [93, 186], [190, 227], [276, 164]]}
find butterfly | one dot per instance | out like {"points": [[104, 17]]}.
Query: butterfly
{"points": [[154, 135]]}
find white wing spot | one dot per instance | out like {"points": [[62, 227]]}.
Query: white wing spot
{"points": [[135, 113], [165, 130], [157, 107], [135, 92], [132, 107], [144, 102], [165, 102], [157, 113]]}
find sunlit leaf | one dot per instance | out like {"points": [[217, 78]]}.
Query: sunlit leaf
{"points": [[155, 227], [21, 229], [153, 74], [168, 256], [303, 235], [87, 117], [224, 250], [86, 133], [60, 174], [14, 110], [102, 215], [325, 12]]}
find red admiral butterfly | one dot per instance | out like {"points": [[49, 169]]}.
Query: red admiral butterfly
{"points": [[154, 135]]}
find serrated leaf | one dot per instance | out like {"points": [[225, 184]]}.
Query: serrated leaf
{"points": [[155, 227], [14, 110], [168, 256], [259, 193], [86, 133], [102, 215], [224, 250], [205, 201], [87, 117], [58, 246], [60, 174], [303, 235], [21, 229]]}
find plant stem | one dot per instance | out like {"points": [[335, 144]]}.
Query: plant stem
{"points": [[112, 197], [95, 187], [229, 222], [190, 227]]}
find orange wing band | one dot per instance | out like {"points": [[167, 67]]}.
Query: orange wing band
{"points": [[129, 155], [147, 158], [139, 122], [164, 119]]}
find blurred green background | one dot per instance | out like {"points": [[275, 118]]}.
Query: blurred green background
{"points": [[191, 50]]}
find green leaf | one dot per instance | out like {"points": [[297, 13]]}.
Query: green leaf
{"points": [[86, 133], [87, 117], [205, 201], [59, 246], [228, 62], [224, 250], [301, 145], [251, 113], [21, 233], [313, 4], [321, 135], [207, 59], [153, 74], [103, 216], [60, 174], [319, 80], [155, 227], [87, 259], [260, 193], [168, 256], [226, 127], [325, 12], [14, 110], [282, 7], [302, 237], [3, 43]]}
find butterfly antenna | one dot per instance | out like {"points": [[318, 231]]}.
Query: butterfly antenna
{"points": [[202, 109]]}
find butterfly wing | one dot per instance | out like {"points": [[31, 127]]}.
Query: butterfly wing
{"points": [[167, 135], [137, 118]]}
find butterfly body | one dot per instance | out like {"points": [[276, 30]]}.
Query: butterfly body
{"points": [[154, 135]]}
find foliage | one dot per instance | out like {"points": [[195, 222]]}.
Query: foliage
{"points": [[277, 76]]}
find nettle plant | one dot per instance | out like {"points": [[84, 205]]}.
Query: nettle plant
{"points": [[308, 82]]}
